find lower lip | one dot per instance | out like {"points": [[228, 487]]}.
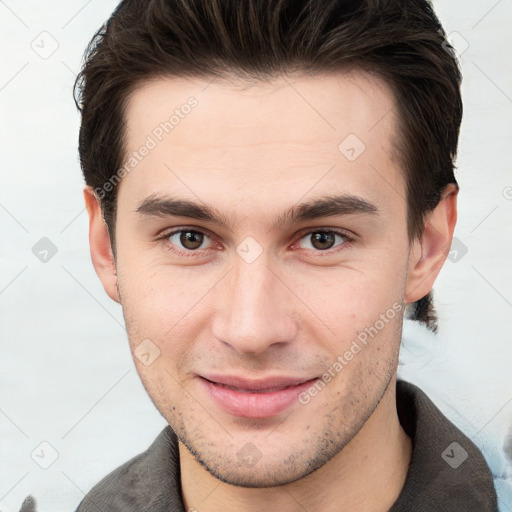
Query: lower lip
{"points": [[254, 405]]}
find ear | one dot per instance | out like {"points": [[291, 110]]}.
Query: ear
{"points": [[428, 252], [99, 242]]}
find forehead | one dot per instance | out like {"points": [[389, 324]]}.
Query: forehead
{"points": [[283, 136]]}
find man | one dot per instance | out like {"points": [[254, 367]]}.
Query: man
{"points": [[270, 187]]}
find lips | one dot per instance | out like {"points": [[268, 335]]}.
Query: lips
{"points": [[259, 398], [255, 385], [254, 390]]}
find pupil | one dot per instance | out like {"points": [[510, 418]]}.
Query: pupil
{"points": [[323, 240], [191, 239]]}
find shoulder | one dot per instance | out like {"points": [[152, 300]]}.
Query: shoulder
{"points": [[147, 482], [447, 470]]}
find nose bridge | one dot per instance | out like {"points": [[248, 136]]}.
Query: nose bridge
{"points": [[255, 313]]}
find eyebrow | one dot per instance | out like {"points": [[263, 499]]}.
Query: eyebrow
{"points": [[330, 206]]}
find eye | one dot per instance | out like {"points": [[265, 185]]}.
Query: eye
{"points": [[323, 240], [192, 242], [188, 239]]}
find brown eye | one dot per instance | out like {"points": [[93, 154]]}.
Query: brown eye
{"points": [[188, 242], [191, 239], [322, 240]]}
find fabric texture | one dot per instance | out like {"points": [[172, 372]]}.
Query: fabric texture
{"points": [[447, 472]]}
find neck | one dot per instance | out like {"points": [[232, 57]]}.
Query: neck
{"points": [[368, 474]]}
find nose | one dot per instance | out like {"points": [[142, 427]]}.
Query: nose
{"points": [[254, 308]]}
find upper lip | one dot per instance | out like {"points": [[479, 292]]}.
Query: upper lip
{"points": [[273, 382]]}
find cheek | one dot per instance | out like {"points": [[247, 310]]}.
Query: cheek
{"points": [[172, 305], [166, 306], [350, 299], [155, 293]]}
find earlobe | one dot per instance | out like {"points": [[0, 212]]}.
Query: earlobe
{"points": [[100, 245], [428, 253]]}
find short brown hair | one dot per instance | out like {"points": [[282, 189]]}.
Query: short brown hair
{"points": [[401, 41]]}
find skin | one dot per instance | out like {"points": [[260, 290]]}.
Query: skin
{"points": [[252, 153]]}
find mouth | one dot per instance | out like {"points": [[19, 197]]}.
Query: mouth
{"points": [[260, 398], [252, 390]]}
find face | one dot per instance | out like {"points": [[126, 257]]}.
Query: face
{"points": [[261, 248]]}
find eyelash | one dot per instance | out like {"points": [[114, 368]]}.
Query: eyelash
{"points": [[198, 252]]}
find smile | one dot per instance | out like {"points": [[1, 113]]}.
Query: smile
{"points": [[254, 399]]}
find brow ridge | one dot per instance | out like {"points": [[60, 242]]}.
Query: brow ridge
{"points": [[330, 206]]}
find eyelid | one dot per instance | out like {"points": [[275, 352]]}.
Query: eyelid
{"points": [[339, 231], [348, 237], [166, 234]]}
